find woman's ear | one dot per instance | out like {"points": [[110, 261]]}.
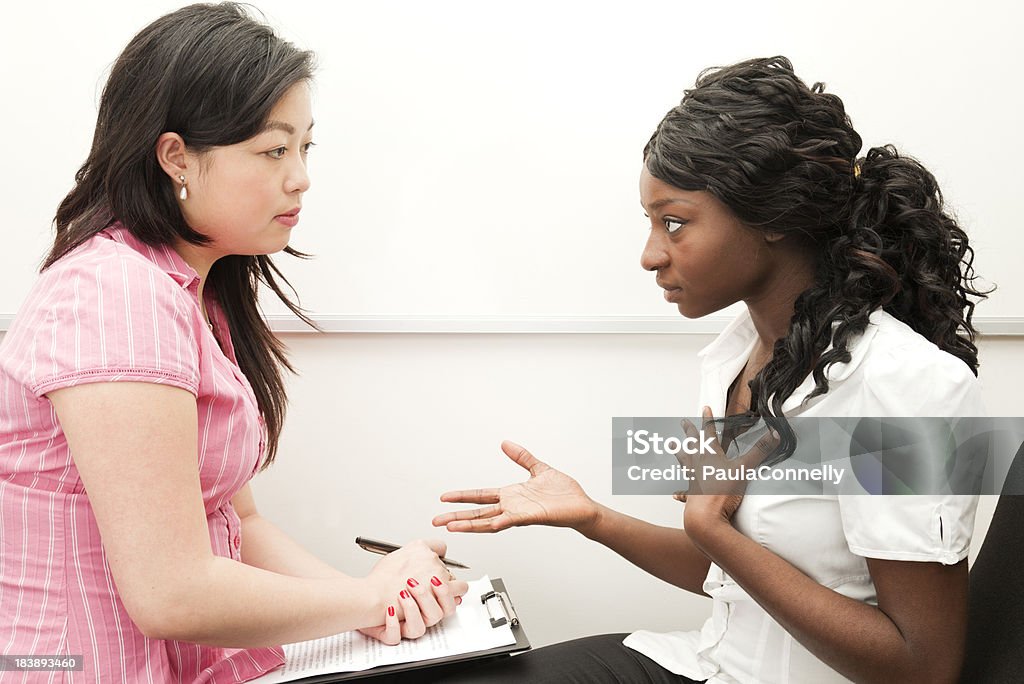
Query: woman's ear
{"points": [[172, 155], [772, 237]]}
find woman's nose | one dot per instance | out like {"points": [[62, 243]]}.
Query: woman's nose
{"points": [[298, 179], [654, 256]]}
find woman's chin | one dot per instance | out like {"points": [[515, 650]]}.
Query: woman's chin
{"points": [[691, 311]]}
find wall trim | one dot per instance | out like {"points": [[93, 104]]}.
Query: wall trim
{"points": [[540, 325]]}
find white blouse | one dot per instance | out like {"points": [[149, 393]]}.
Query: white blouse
{"points": [[893, 371]]}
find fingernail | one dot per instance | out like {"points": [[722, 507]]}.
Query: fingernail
{"points": [[404, 594], [412, 583], [436, 582], [391, 611], [458, 600]]}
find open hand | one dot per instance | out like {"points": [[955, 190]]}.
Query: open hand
{"points": [[549, 497]]}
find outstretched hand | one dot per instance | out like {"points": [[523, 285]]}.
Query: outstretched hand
{"points": [[548, 497]]}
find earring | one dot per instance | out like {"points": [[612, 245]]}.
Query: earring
{"points": [[183, 193]]}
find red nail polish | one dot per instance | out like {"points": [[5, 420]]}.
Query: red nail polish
{"points": [[412, 583], [391, 611], [404, 594], [436, 582]]}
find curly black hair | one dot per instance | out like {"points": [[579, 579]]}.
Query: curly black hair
{"points": [[783, 158]]}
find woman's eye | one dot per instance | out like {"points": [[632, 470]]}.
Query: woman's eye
{"points": [[277, 153], [673, 225], [308, 146]]}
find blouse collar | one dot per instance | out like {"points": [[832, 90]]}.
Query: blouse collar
{"points": [[728, 353]]}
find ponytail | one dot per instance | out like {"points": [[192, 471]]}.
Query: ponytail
{"points": [[898, 209]]}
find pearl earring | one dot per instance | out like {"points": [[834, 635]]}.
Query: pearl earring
{"points": [[183, 193]]}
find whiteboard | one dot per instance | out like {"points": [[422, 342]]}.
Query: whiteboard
{"points": [[481, 159]]}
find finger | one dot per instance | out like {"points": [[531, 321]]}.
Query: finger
{"points": [[392, 633], [469, 514], [686, 459], [679, 496], [689, 428], [477, 496], [458, 588], [449, 594], [521, 456], [430, 609], [412, 626], [443, 595], [709, 423], [494, 524], [763, 448]]}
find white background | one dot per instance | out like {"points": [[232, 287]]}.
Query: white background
{"points": [[478, 158]]}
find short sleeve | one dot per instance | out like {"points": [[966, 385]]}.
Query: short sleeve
{"points": [[918, 527], [115, 317], [913, 527], [918, 379]]}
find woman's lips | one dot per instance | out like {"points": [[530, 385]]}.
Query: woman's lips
{"points": [[288, 219]]}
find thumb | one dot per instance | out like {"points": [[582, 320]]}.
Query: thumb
{"points": [[521, 456]]}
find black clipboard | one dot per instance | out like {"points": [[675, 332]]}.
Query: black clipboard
{"points": [[496, 603]]}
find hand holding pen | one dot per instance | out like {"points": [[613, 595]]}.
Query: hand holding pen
{"points": [[428, 591]]}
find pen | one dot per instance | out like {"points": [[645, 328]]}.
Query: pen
{"points": [[384, 548]]}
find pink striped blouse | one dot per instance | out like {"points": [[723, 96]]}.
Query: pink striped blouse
{"points": [[112, 310]]}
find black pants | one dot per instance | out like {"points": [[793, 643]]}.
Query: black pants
{"points": [[591, 660]]}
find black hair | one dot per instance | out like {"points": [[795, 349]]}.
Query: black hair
{"points": [[211, 73], [783, 158]]}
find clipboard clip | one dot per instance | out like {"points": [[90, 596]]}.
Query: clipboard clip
{"points": [[499, 608]]}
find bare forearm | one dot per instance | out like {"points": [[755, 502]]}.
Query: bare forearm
{"points": [[665, 552], [856, 639], [231, 604], [266, 546]]}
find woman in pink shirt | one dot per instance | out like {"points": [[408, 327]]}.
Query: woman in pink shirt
{"points": [[140, 389]]}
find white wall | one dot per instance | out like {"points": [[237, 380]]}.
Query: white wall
{"points": [[463, 144], [380, 425]]}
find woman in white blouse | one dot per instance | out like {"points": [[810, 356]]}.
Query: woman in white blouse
{"points": [[858, 292]]}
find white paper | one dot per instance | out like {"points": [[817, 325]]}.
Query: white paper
{"points": [[468, 630]]}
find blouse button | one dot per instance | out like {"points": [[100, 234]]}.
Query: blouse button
{"points": [[238, 541]]}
